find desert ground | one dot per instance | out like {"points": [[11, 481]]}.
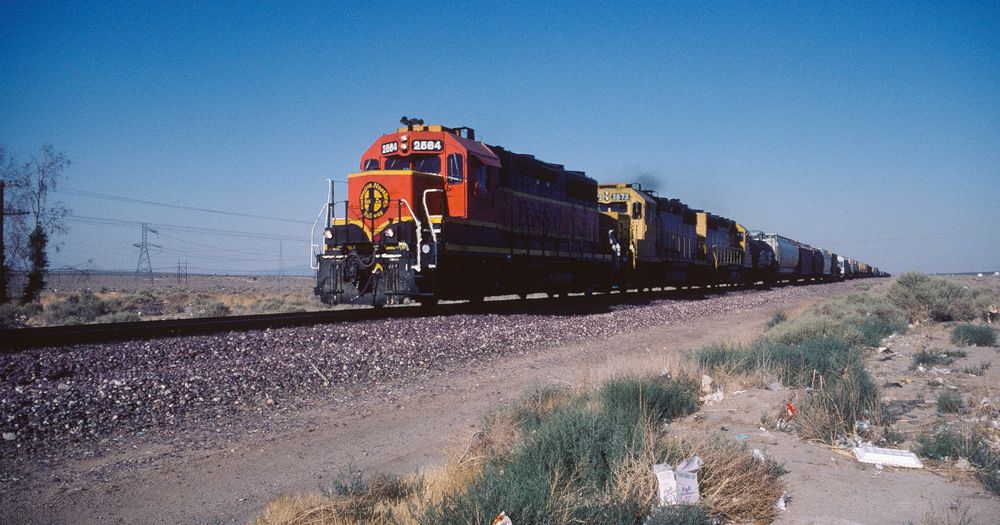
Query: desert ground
{"points": [[195, 471]]}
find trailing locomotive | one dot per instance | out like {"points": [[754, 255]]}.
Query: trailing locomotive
{"points": [[435, 214]]}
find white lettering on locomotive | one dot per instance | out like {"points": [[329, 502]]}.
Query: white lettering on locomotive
{"points": [[607, 196], [390, 147], [427, 145]]}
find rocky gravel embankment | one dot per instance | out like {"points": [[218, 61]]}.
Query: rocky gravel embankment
{"points": [[55, 398]]}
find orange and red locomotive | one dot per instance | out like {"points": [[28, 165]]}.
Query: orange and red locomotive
{"points": [[435, 214]]}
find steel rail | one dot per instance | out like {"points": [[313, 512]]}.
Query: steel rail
{"points": [[19, 339], [13, 340]]}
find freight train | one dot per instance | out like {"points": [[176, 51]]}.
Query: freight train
{"points": [[435, 214]]}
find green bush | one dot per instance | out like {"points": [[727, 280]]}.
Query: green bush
{"points": [[679, 515], [779, 317], [800, 364], [832, 411], [267, 305], [822, 349], [564, 467], [977, 370], [204, 307], [119, 317], [630, 399], [948, 443], [924, 297], [14, 315], [949, 402], [971, 334], [87, 307], [861, 319], [141, 303], [360, 496], [928, 358], [80, 308]]}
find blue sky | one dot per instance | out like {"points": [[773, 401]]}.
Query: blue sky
{"points": [[871, 129]]}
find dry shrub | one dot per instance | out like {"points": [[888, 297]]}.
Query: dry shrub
{"points": [[380, 502], [832, 411], [633, 479], [733, 483], [924, 297], [310, 509], [957, 513]]}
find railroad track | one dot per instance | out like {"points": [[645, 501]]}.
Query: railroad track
{"points": [[20, 339], [15, 340]]}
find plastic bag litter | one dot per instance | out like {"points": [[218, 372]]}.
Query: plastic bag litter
{"points": [[714, 397], [782, 503], [706, 384]]}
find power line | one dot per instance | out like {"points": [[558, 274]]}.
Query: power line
{"points": [[120, 223], [213, 247], [118, 198]]}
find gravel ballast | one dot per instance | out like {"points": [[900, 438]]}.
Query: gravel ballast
{"points": [[54, 397]]}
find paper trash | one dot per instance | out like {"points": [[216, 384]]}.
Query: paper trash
{"points": [[666, 485], [687, 480], [680, 484], [887, 456]]}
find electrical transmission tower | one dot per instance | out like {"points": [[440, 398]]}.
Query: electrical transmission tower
{"points": [[182, 272], [144, 265], [281, 258]]}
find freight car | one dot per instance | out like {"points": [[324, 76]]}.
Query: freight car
{"points": [[435, 214]]}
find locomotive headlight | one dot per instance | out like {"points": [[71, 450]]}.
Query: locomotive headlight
{"points": [[389, 233], [425, 248], [328, 233]]}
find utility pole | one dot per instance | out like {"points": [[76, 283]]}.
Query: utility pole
{"points": [[144, 253], [3, 248]]}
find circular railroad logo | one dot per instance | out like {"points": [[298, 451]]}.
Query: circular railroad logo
{"points": [[374, 200]]}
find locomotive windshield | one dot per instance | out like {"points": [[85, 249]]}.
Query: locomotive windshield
{"points": [[423, 163], [620, 207]]}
